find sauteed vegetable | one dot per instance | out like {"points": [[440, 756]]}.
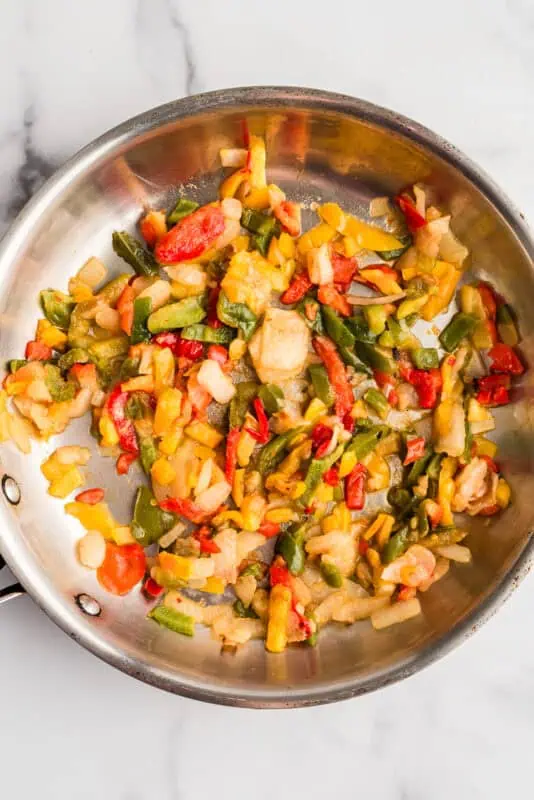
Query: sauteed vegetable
{"points": [[309, 458]]}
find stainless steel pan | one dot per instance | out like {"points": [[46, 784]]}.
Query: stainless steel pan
{"points": [[320, 145]]}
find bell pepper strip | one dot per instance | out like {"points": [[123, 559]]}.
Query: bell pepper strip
{"points": [[387, 384], [203, 537], [274, 451], [328, 295], [489, 301], [116, 407], [212, 318], [142, 308], [124, 462], [355, 488], [37, 351], [460, 327], [315, 473], [290, 546], [269, 529], [230, 463], [173, 620], [218, 353], [348, 422], [246, 391], [377, 401], [262, 434], [344, 270], [183, 208], [288, 215], [363, 546], [299, 286], [321, 437], [425, 357], [185, 348], [191, 236], [184, 508], [123, 567], [506, 325], [90, 496], [414, 220], [152, 589], [415, 449], [505, 359], [427, 384], [125, 307], [337, 374], [321, 384], [279, 574], [272, 398], [331, 476], [374, 358], [132, 251]]}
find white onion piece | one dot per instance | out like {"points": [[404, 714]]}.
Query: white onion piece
{"points": [[379, 207], [232, 208], [233, 156], [451, 249], [359, 300], [420, 199]]}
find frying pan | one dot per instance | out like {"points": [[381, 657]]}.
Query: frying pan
{"points": [[320, 146]]}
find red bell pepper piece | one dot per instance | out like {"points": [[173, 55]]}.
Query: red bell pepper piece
{"points": [[181, 348], [269, 529], [90, 496], [230, 464], [488, 300], [185, 508], [218, 353], [348, 422], [279, 573], [337, 374], [321, 437], [344, 270], [387, 383], [299, 286], [414, 219], [38, 351], [435, 513], [288, 214], [329, 296], [262, 434], [151, 588], [124, 461], [86, 376], [491, 382], [355, 488], [116, 406], [207, 545], [331, 476], [427, 384], [415, 450], [190, 237], [363, 546], [123, 567], [500, 397], [493, 390], [505, 359], [211, 318]]}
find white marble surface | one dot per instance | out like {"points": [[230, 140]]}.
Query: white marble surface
{"points": [[70, 726]]}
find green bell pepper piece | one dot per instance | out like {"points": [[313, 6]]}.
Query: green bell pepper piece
{"points": [[399, 498], [376, 318], [331, 574], [257, 569], [148, 453], [396, 545], [129, 369], [60, 389], [108, 355], [425, 358], [460, 327], [272, 397], [241, 610], [113, 289], [377, 401], [79, 334], [245, 392], [321, 384], [290, 545], [132, 251], [312, 640], [173, 620], [141, 312], [262, 226], [182, 209], [315, 472], [149, 520], [434, 466], [236, 315], [274, 451], [57, 308], [360, 329], [364, 443], [339, 493], [468, 438], [336, 328], [185, 312], [374, 357], [310, 310], [78, 355], [16, 363], [203, 333], [138, 406], [418, 468]]}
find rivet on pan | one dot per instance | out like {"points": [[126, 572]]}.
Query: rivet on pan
{"points": [[88, 604], [11, 490]]}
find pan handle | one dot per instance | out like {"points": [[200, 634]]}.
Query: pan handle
{"points": [[10, 592]]}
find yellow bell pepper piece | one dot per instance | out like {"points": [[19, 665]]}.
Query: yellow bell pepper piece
{"points": [[258, 199], [446, 288], [324, 493], [214, 585], [339, 520], [407, 307], [142, 383], [80, 292], [204, 433], [177, 567], [238, 488], [93, 518], [229, 516], [245, 448], [477, 413], [315, 410], [163, 369], [231, 184], [50, 335], [52, 469], [485, 447], [123, 535], [446, 488], [315, 237], [376, 526], [298, 489], [286, 245], [350, 246], [16, 387], [237, 349], [379, 474], [67, 483], [253, 509], [247, 280], [294, 459], [241, 243], [367, 236], [257, 161], [107, 429], [504, 494], [169, 443], [385, 283], [279, 607], [280, 515], [162, 472], [168, 408], [347, 464], [204, 453]]}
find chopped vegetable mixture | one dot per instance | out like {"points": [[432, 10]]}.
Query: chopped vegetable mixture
{"points": [[307, 457]]}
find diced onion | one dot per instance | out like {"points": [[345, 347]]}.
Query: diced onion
{"points": [[108, 319], [210, 500], [92, 550], [452, 250], [215, 381], [320, 266], [232, 228], [420, 199], [92, 272], [379, 207], [455, 552], [159, 292], [204, 477], [73, 454], [233, 156], [232, 208], [428, 238], [398, 612], [170, 537]]}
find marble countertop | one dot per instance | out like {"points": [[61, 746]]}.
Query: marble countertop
{"points": [[70, 726]]}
